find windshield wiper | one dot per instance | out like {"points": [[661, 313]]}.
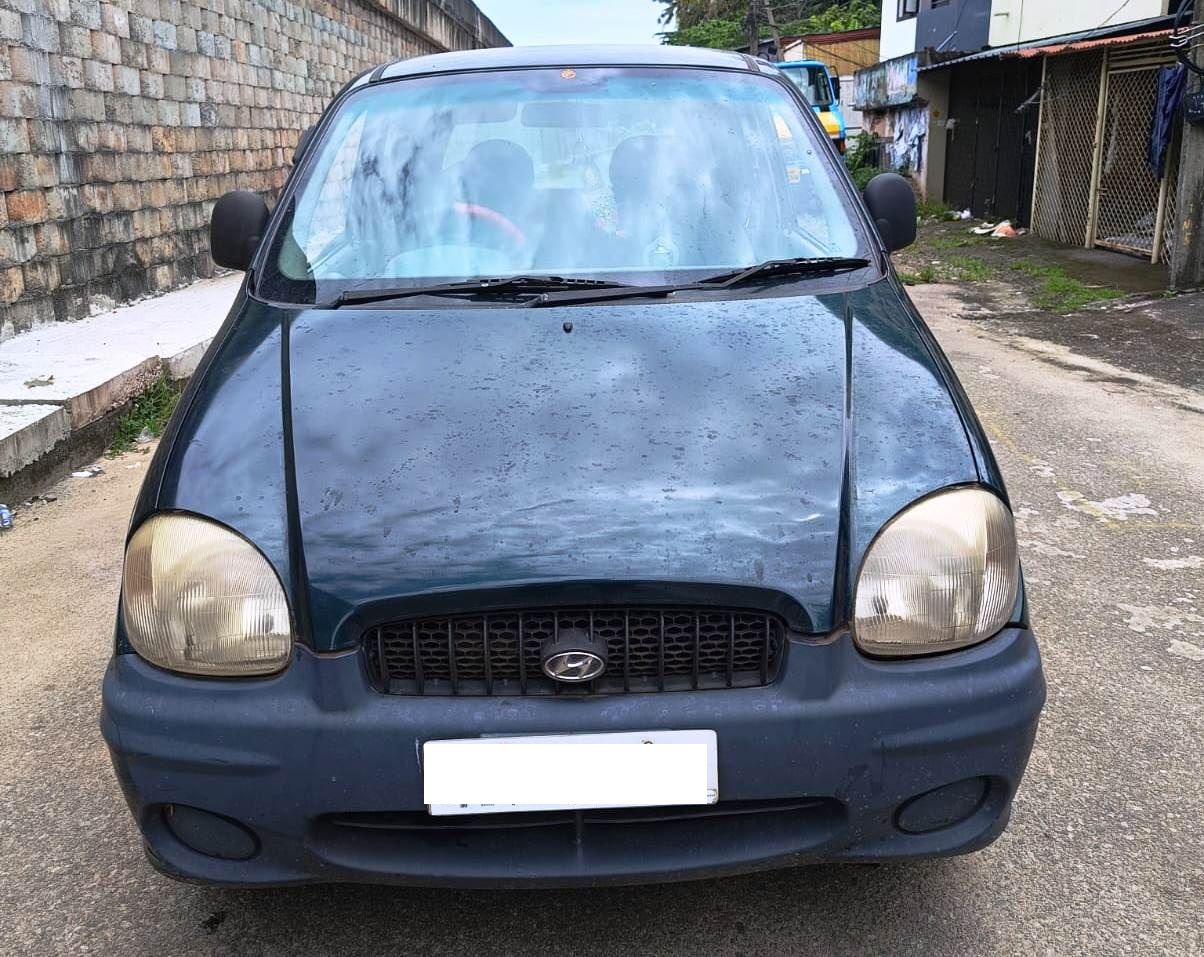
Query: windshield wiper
{"points": [[502, 285], [804, 266]]}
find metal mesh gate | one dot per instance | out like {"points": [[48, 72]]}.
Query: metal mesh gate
{"points": [[1170, 230], [1066, 148], [1127, 216], [1093, 185]]}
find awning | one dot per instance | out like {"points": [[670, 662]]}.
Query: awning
{"points": [[1131, 32], [1092, 44]]}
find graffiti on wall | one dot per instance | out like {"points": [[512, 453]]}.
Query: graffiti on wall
{"points": [[891, 83], [906, 148], [902, 133]]}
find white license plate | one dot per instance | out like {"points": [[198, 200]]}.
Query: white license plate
{"points": [[570, 772]]}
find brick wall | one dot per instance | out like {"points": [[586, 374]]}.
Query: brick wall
{"points": [[121, 121]]}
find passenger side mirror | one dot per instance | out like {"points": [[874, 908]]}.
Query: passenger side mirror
{"points": [[892, 205], [835, 81], [235, 228]]}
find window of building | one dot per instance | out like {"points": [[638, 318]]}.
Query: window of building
{"points": [[908, 9]]}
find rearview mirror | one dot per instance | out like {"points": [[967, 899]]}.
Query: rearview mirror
{"points": [[892, 205], [835, 81], [235, 228]]}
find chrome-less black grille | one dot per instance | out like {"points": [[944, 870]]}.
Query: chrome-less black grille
{"points": [[648, 650]]}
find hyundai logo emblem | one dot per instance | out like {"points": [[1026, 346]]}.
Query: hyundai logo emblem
{"points": [[573, 656], [573, 666]]}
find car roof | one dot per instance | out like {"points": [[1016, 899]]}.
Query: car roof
{"points": [[500, 58]]}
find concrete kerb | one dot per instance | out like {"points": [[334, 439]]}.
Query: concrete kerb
{"points": [[63, 388], [41, 443]]}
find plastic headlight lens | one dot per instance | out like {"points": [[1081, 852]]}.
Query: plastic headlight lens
{"points": [[943, 574], [198, 598]]}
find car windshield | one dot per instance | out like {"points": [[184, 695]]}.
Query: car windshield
{"points": [[813, 81], [640, 176]]}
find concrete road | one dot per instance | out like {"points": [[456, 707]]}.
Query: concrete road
{"points": [[1105, 854]]}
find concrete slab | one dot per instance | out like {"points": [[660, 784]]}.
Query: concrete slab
{"points": [[83, 355], [64, 379], [27, 432], [183, 364]]}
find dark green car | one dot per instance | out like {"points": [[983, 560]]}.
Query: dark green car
{"points": [[572, 496]]}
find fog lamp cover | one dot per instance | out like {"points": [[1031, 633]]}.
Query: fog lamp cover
{"points": [[211, 834], [942, 807]]}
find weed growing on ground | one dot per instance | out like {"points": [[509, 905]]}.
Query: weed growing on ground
{"points": [[1062, 294], [953, 269], [966, 269], [862, 159], [149, 412], [930, 209], [944, 244], [924, 275]]}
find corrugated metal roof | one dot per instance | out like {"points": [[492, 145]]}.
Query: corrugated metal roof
{"points": [[1092, 44], [1101, 36]]}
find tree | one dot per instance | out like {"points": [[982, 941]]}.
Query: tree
{"points": [[719, 34], [836, 18], [690, 13], [710, 22]]}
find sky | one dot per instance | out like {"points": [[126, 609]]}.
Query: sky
{"points": [[541, 22]]}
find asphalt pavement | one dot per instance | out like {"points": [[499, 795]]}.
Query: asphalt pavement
{"points": [[1105, 853]]}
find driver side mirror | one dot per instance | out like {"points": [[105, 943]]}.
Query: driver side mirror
{"points": [[235, 228], [892, 206], [835, 81], [303, 142]]}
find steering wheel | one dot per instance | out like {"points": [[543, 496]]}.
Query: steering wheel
{"points": [[483, 214]]}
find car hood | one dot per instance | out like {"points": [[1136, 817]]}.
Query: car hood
{"points": [[738, 451]]}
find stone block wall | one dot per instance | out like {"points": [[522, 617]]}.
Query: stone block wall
{"points": [[121, 121]]}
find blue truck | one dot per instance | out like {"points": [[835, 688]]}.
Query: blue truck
{"points": [[822, 91]]}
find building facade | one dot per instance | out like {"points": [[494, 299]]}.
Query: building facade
{"points": [[898, 28], [1038, 113], [902, 107], [1022, 21]]}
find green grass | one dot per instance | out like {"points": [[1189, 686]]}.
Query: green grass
{"points": [[1060, 293], [150, 412], [947, 243], [966, 269], [926, 274], [928, 209], [953, 269], [944, 243]]}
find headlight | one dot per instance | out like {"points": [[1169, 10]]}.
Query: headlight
{"points": [[942, 574], [198, 598]]}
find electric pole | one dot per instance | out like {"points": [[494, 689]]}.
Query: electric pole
{"points": [[1187, 261], [754, 27], [773, 32]]}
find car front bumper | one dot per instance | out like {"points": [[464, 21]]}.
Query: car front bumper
{"points": [[314, 776]]}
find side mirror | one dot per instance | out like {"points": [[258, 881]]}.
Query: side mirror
{"points": [[235, 228], [302, 142], [835, 81], [892, 205]]}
